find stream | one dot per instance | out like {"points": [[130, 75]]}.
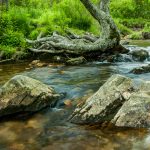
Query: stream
{"points": [[49, 129]]}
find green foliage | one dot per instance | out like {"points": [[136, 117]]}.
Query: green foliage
{"points": [[7, 51], [73, 10], [131, 15], [130, 9], [147, 27], [136, 36], [28, 18], [124, 30], [16, 19], [142, 8], [133, 23], [122, 8], [12, 38]]}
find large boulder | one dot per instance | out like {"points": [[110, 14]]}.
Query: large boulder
{"points": [[136, 111], [24, 94], [104, 104], [117, 102]]}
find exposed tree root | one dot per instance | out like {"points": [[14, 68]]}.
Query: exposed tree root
{"points": [[72, 44], [109, 41]]}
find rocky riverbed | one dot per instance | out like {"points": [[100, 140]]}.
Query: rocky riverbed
{"points": [[50, 128]]}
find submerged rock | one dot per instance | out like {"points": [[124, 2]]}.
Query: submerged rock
{"points": [[119, 58], [117, 102], [24, 94], [140, 70], [140, 55], [103, 105]]}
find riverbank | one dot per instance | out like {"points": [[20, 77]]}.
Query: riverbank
{"points": [[19, 56]]}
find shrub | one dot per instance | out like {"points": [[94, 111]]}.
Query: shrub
{"points": [[136, 36], [27, 18], [7, 51], [147, 27], [12, 38]]}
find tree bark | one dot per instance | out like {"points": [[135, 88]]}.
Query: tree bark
{"points": [[108, 40]]}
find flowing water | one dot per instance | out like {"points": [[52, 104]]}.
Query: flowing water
{"points": [[50, 130]]}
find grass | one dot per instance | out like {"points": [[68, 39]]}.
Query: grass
{"points": [[7, 51], [28, 18]]}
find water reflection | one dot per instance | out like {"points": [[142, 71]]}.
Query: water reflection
{"points": [[49, 130], [9, 70]]}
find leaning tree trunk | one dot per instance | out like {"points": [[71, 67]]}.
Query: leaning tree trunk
{"points": [[108, 40]]}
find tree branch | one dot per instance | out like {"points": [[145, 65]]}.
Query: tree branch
{"points": [[94, 11], [102, 15], [104, 6]]}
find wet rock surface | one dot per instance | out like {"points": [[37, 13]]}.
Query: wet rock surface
{"points": [[118, 102], [119, 58], [37, 63], [136, 111], [102, 106], [24, 94], [141, 70], [140, 55]]}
